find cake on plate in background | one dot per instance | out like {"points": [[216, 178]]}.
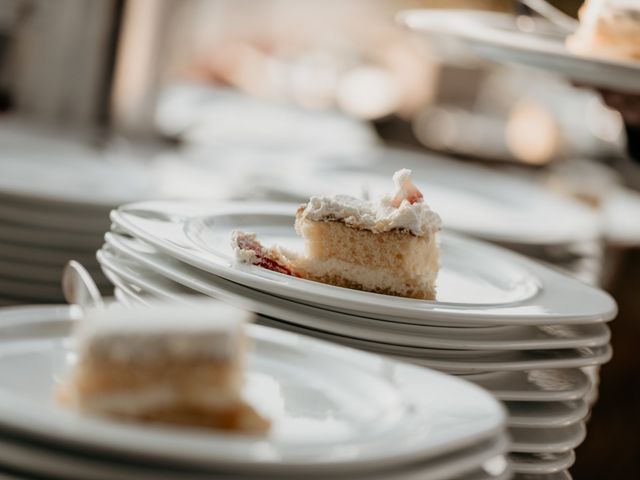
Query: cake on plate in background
{"points": [[608, 28]]}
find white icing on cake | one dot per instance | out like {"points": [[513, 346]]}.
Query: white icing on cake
{"points": [[380, 216], [146, 334]]}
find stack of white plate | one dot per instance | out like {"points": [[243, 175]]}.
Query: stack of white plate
{"points": [[56, 191], [55, 197], [336, 413], [501, 38], [512, 325]]}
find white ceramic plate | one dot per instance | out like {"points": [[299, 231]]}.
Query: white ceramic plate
{"points": [[122, 278], [144, 264], [126, 293], [31, 290], [542, 463], [503, 358], [545, 386], [122, 297], [497, 37], [547, 359], [459, 361], [22, 455], [448, 360], [130, 298], [478, 283], [226, 118], [27, 272], [19, 318], [94, 222], [31, 272], [551, 385], [356, 412], [470, 199], [546, 414], [547, 440], [451, 361], [83, 177], [48, 238], [44, 255]]}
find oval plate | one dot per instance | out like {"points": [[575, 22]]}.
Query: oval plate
{"points": [[140, 265], [497, 37], [333, 409], [480, 283]]}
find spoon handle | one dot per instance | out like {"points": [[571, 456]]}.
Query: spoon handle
{"points": [[78, 286]]}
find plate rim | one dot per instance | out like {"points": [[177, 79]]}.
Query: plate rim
{"points": [[44, 426], [599, 354], [404, 17], [411, 308], [115, 241]]}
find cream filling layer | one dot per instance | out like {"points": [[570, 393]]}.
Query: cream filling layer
{"points": [[369, 278], [158, 396]]}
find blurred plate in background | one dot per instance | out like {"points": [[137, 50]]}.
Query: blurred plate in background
{"points": [[503, 38]]}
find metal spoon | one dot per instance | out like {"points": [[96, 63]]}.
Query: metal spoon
{"points": [[80, 291], [79, 288]]}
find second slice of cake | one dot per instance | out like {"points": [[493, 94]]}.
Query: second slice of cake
{"points": [[164, 364]]}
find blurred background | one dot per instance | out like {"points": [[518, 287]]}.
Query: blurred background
{"points": [[222, 99]]}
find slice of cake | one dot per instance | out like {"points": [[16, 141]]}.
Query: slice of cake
{"points": [[166, 364], [608, 28], [389, 246]]}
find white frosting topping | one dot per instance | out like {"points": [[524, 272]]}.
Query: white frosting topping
{"points": [[245, 256], [379, 216], [146, 334]]}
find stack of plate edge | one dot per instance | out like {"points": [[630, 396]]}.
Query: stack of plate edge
{"points": [[37, 239], [539, 447], [23, 455]]}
